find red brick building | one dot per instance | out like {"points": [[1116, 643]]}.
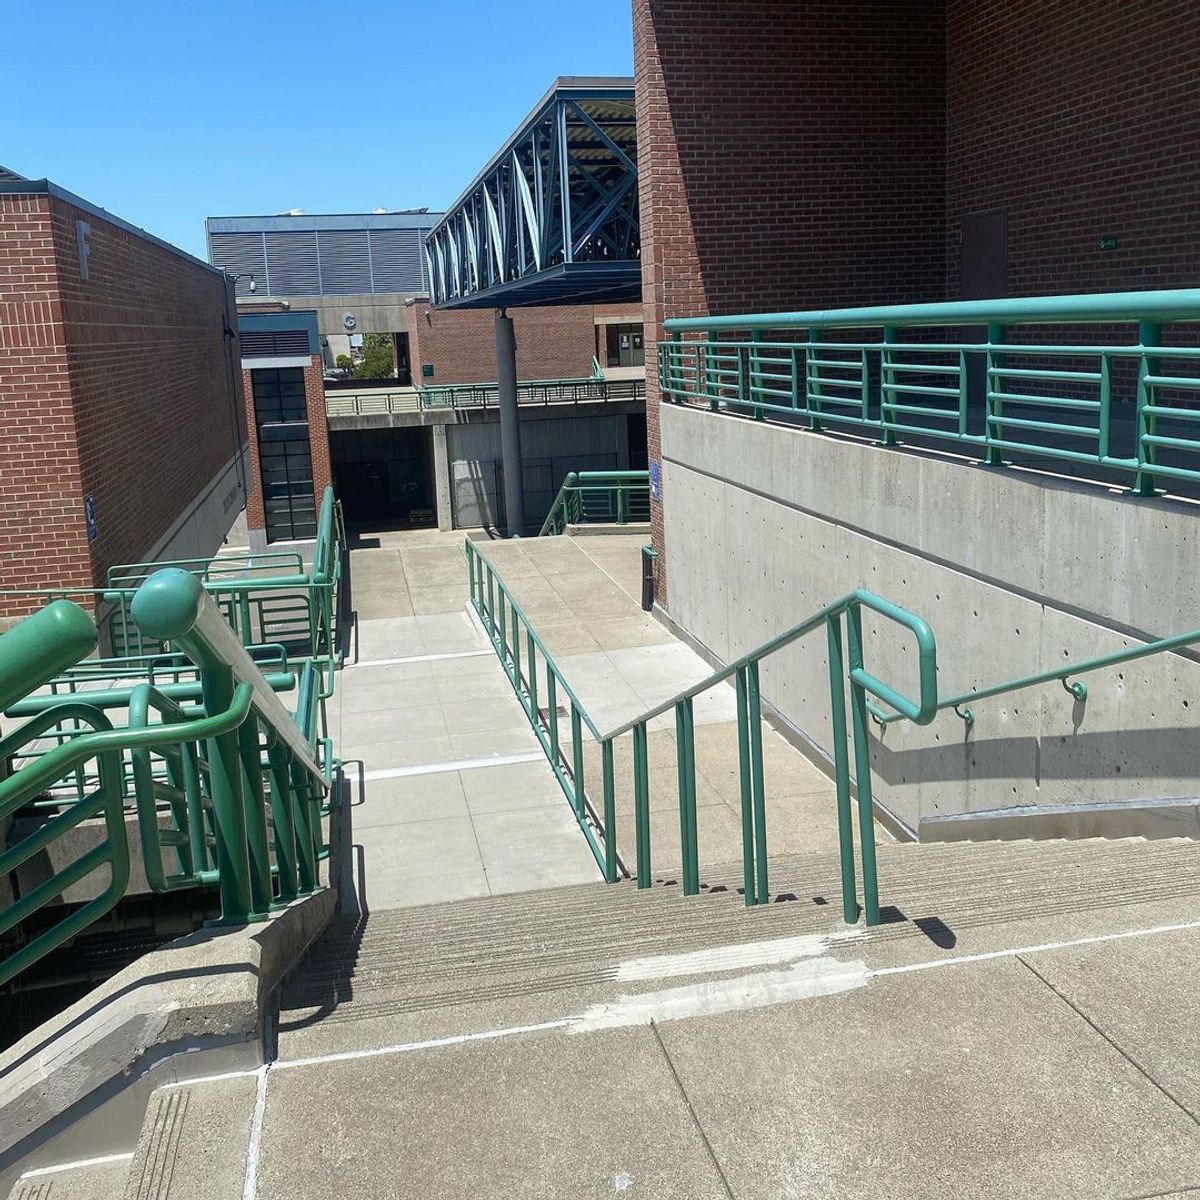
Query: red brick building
{"points": [[858, 152], [557, 342], [120, 395]]}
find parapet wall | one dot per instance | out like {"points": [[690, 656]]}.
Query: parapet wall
{"points": [[1015, 571]]}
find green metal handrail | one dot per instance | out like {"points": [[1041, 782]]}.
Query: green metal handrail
{"points": [[533, 391], [1128, 407], [218, 767], [607, 497], [1077, 688], [505, 620]]}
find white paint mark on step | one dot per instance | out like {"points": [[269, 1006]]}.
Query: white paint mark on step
{"points": [[801, 981], [419, 658], [433, 1043], [79, 1165], [462, 764], [734, 957]]}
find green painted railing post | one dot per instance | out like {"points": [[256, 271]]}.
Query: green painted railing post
{"points": [[812, 389], [841, 767], [992, 405], [610, 812], [746, 787], [862, 768], [254, 798], [754, 704], [284, 822], [887, 379], [1105, 406], [685, 738], [225, 781], [306, 844], [531, 648], [577, 760], [712, 376], [552, 710], [622, 505], [516, 648], [1149, 334], [491, 602], [747, 372], [502, 638], [641, 803]]}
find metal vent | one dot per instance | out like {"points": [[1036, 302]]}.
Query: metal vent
{"points": [[270, 343], [345, 262], [396, 260], [241, 254], [292, 263]]}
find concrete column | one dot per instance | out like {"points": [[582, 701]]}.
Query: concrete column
{"points": [[510, 428], [441, 479]]}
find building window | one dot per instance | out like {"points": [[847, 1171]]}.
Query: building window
{"points": [[624, 346], [285, 456]]}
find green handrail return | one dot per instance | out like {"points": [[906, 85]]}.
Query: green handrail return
{"points": [[518, 647], [1052, 378], [599, 497], [222, 764]]}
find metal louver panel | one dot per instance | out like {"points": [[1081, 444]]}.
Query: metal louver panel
{"points": [[396, 260], [345, 262], [241, 254], [263, 343], [292, 263]]}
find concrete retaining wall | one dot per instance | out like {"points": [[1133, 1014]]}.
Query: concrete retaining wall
{"points": [[1016, 572]]}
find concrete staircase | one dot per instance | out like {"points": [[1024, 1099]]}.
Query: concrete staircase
{"points": [[437, 1050]]}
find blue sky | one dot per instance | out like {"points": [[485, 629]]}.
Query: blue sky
{"points": [[169, 111]]}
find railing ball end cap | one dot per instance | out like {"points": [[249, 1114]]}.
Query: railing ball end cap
{"points": [[167, 605]]}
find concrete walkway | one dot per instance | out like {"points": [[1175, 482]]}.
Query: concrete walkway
{"points": [[450, 794], [582, 595]]}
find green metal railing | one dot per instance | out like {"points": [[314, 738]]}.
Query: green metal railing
{"points": [[1049, 378], [203, 778], [540, 686], [534, 391], [599, 497]]}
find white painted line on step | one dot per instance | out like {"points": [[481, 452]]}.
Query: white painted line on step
{"points": [[420, 658], [735, 957], [1012, 952], [462, 764], [801, 981], [78, 1165], [405, 1047], [224, 1075], [254, 1150]]}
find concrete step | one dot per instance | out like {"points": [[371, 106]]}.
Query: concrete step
{"points": [[95, 1180], [513, 950], [194, 1142]]}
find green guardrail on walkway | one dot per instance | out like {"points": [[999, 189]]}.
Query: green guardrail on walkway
{"points": [[599, 497], [1046, 378], [534, 392], [522, 652], [508, 626], [211, 771]]}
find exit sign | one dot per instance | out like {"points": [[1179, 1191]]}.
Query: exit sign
{"points": [[1108, 241]]}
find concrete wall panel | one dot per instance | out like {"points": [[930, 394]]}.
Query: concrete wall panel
{"points": [[1015, 573]]}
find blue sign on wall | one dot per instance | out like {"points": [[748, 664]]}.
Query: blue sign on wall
{"points": [[89, 509], [655, 481]]}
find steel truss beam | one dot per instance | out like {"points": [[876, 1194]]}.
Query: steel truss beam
{"points": [[560, 197]]}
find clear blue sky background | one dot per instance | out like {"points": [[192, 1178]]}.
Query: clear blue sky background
{"points": [[168, 111]]}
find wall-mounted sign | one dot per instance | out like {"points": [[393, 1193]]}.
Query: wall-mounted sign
{"points": [[89, 511], [350, 321], [427, 370], [655, 481], [1108, 241]]}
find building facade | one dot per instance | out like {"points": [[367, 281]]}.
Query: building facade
{"points": [[120, 390]]}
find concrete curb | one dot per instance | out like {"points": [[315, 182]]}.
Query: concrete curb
{"points": [[78, 1084], [1169, 817]]}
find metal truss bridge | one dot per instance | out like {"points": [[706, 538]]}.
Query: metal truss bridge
{"points": [[553, 217]]}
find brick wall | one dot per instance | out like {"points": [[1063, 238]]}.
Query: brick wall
{"points": [[790, 156], [43, 533], [154, 379], [1077, 120], [552, 343]]}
